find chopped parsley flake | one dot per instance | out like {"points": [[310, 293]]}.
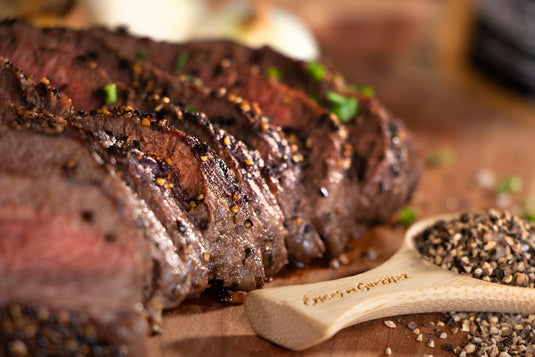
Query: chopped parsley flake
{"points": [[191, 108], [274, 72], [181, 61], [344, 107], [316, 71], [527, 209], [407, 216], [365, 90], [108, 93]]}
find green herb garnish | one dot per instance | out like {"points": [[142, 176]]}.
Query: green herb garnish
{"points": [[181, 61], [407, 216], [191, 108], [108, 93], [509, 185], [527, 211], [316, 70], [140, 56], [345, 108], [274, 72], [365, 90]]}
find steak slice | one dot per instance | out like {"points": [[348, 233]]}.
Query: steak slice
{"points": [[52, 258], [142, 172], [386, 163], [72, 245]]}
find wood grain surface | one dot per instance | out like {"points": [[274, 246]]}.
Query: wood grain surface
{"points": [[444, 119]]}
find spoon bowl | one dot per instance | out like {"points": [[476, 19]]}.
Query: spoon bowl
{"points": [[300, 316]]}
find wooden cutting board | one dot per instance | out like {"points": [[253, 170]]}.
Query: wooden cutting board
{"points": [[447, 121]]}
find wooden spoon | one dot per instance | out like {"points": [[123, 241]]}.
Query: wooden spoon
{"points": [[301, 316]]}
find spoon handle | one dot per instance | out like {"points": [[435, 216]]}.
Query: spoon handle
{"points": [[298, 317]]}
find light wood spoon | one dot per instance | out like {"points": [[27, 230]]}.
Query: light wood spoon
{"points": [[301, 316]]}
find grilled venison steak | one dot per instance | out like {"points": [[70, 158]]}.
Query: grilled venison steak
{"points": [[281, 178], [270, 237], [198, 170]]}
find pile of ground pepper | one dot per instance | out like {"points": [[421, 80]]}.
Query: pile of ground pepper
{"points": [[493, 246]]}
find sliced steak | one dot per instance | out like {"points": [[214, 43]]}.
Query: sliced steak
{"points": [[246, 124], [379, 160], [222, 61], [204, 222], [143, 172]]}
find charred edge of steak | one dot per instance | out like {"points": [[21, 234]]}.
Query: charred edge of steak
{"points": [[40, 96], [38, 331], [143, 173]]}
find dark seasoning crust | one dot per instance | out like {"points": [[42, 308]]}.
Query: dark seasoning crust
{"points": [[253, 186]]}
